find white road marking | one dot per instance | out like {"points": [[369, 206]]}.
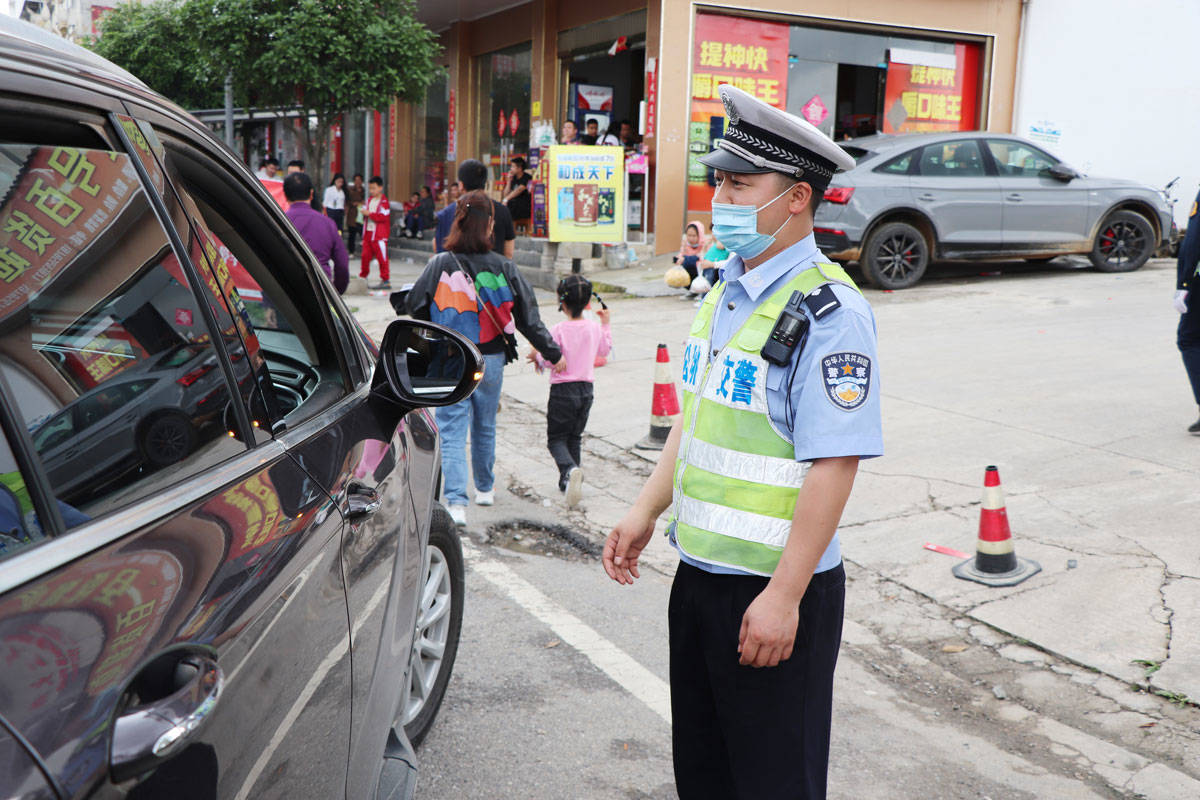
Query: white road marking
{"points": [[608, 658]]}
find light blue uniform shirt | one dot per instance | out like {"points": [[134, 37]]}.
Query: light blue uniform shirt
{"points": [[843, 342]]}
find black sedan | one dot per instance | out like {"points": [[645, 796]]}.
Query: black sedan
{"points": [[223, 568]]}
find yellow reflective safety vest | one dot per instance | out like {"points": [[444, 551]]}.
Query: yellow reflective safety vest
{"points": [[736, 478]]}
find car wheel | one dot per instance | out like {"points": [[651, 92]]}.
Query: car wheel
{"points": [[439, 623], [1124, 243], [896, 256], [167, 438]]}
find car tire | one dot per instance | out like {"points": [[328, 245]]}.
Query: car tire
{"points": [[167, 439], [1124, 242], [895, 256], [438, 626]]}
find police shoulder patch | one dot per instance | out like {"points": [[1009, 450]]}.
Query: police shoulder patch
{"points": [[847, 379]]}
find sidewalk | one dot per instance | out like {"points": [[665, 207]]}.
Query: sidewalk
{"points": [[1069, 381]]}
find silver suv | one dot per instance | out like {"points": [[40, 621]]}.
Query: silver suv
{"points": [[967, 195]]}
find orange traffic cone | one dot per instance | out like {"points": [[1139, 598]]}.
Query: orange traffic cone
{"points": [[995, 562], [664, 407]]}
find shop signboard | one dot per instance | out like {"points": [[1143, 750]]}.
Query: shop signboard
{"points": [[750, 54], [451, 131], [932, 91], [651, 96], [586, 193]]}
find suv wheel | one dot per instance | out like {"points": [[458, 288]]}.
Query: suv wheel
{"points": [[439, 622], [1124, 243], [895, 256]]}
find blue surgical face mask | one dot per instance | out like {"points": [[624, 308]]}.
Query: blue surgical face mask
{"points": [[736, 226]]}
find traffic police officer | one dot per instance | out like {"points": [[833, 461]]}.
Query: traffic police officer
{"points": [[1188, 336], [781, 400]]}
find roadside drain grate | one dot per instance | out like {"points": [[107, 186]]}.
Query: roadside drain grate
{"points": [[526, 536]]}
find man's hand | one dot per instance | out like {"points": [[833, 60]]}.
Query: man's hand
{"points": [[626, 542], [1180, 301], [768, 630]]}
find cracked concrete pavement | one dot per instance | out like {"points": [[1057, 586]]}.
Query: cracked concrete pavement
{"points": [[1068, 380]]}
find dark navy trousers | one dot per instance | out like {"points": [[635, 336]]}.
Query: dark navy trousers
{"points": [[1188, 340], [743, 732]]}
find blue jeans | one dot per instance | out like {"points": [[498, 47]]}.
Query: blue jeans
{"points": [[477, 412]]}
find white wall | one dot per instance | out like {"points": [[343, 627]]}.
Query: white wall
{"points": [[1119, 83]]}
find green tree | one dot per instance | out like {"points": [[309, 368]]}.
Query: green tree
{"points": [[327, 57], [155, 43]]}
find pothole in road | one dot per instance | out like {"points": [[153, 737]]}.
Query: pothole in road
{"points": [[535, 538]]}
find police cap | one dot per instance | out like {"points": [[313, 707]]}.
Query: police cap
{"points": [[761, 138]]}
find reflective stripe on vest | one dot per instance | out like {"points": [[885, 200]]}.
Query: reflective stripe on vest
{"points": [[736, 479]]}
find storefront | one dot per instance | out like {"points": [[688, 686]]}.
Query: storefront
{"points": [[848, 83], [852, 67], [503, 97]]}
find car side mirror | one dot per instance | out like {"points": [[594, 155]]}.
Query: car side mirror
{"points": [[1061, 172], [422, 364]]}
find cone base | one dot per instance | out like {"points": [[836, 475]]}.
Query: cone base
{"points": [[651, 442], [1025, 569]]}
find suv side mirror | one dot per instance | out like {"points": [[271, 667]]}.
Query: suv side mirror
{"points": [[423, 364], [1061, 172]]}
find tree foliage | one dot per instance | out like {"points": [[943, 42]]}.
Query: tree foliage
{"points": [[155, 43], [329, 57]]}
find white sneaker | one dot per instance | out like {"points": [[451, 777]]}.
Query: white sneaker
{"points": [[485, 498], [459, 515], [574, 486]]}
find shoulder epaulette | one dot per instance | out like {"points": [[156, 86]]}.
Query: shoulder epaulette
{"points": [[822, 301]]}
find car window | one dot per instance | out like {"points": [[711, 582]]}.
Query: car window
{"points": [[958, 159], [857, 153], [266, 280], [232, 318], [20, 526], [899, 165], [1017, 159], [346, 336], [96, 316]]}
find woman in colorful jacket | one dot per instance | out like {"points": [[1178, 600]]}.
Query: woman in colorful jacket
{"points": [[482, 295]]}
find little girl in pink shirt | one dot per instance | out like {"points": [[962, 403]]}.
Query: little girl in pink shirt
{"points": [[581, 341]]}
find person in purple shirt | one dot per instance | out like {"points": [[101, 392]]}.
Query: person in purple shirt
{"points": [[318, 230]]}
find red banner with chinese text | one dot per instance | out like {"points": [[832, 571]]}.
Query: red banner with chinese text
{"points": [[926, 98], [750, 54]]}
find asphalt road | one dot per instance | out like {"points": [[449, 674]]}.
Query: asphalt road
{"points": [[560, 686]]}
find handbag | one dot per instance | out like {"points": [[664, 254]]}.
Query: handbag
{"points": [[511, 353]]}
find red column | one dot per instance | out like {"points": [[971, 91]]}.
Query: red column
{"points": [[377, 138], [335, 150]]}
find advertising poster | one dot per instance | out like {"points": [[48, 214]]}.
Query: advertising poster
{"points": [[921, 95], [586, 193], [748, 53]]}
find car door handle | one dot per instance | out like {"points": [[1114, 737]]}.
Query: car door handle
{"points": [[1014, 197], [927, 197], [177, 693], [362, 501]]}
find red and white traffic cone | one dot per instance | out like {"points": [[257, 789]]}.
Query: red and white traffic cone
{"points": [[995, 562], [664, 407]]}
